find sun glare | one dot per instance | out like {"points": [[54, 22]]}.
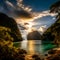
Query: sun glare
{"points": [[29, 25], [41, 29]]}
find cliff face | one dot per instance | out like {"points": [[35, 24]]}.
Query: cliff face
{"points": [[35, 35], [54, 31], [8, 22]]}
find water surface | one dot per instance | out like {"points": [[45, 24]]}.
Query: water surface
{"points": [[36, 46]]}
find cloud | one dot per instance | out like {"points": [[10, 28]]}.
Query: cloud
{"points": [[42, 14], [1, 8], [21, 12], [22, 16], [37, 15], [18, 10], [9, 3], [42, 28], [21, 5]]}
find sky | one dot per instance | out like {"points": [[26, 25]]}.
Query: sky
{"points": [[34, 12], [39, 5]]}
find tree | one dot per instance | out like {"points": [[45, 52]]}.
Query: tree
{"points": [[7, 49], [55, 28], [10, 23], [5, 37], [48, 37]]}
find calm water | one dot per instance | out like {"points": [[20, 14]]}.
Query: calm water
{"points": [[36, 46]]}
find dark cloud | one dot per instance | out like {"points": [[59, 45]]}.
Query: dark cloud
{"points": [[22, 14], [21, 27], [14, 11]]}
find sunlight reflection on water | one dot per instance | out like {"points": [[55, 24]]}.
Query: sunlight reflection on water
{"points": [[32, 46], [36, 46]]}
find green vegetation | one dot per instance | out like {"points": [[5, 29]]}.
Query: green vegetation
{"points": [[5, 37], [54, 30], [10, 23], [9, 33], [16, 44], [7, 49]]}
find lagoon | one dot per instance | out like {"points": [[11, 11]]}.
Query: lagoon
{"points": [[36, 46]]}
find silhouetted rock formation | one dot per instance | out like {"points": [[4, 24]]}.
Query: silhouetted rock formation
{"points": [[34, 35], [53, 32], [8, 22], [48, 37]]}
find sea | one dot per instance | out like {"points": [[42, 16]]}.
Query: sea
{"points": [[36, 46]]}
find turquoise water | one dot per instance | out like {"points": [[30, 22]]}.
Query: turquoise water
{"points": [[36, 46]]}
